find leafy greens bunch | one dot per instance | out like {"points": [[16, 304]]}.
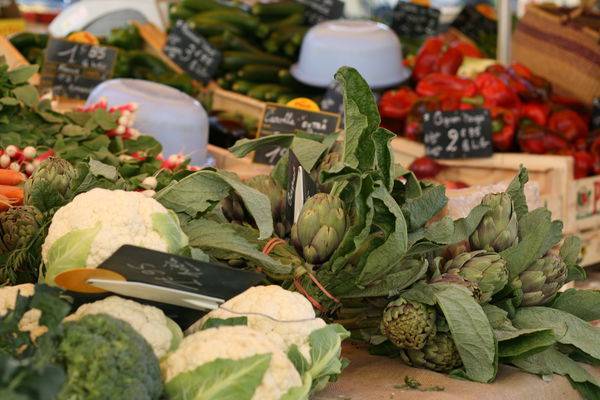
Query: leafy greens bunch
{"points": [[454, 296]]}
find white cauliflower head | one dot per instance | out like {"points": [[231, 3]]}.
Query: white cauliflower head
{"points": [[272, 310], [150, 322], [219, 346], [30, 320], [95, 224]]}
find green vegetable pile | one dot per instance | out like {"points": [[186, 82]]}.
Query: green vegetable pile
{"points": [[132, 60], [259, 44], [454, 296]]}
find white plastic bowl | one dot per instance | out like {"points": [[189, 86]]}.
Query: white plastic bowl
{"points": [[175, 119], [370, 47]]}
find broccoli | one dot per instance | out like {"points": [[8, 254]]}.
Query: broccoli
{"points": [[106, 359]]}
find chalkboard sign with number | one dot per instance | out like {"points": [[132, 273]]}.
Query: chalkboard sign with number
{"points": [[137, 264], [473, 23], [322, 10], [73, 69], [458, 134], [333, 100], [192, 52], [595, 120], [278, 119], [413, 20]]}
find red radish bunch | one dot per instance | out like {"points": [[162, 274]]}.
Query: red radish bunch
{"points": [[24, 160], [125, 122]]}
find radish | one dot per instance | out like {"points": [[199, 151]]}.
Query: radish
{"points": [[29, 152], [15, 166], [149, 183], [29, 168], [12, 150], [4, 161]]}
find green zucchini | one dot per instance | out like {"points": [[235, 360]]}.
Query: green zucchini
{"points": [[267, 90], [177, 11], [290, 49], [224, 83], [238, 18], [275, 91], [234, 60], [285, 78], [279, 9], [218, 41], [209, 27], [286, 98], [258, 73], [242, 86], [291, 20], [234, 42], [24, 40], [202, 5]]}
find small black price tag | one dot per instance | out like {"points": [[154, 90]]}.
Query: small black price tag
{"points": [[595, 120], [278, 119], [458, 134], [73, 70], [301, 186], [413, 20], [322, 10], [473, 23], [192, 52], [141, 265]]}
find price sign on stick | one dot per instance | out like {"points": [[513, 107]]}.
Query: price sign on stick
{"points": [[278, 119], [73, 69], [192, 52], [301, 186], [458, 134], [414, 20], [321, 10]]}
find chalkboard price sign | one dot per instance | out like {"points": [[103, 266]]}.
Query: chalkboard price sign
{"points": [[278, 119], [458, 134], [192, 52], [73, 69], [473, 23], [333, 100], [595, 120], [413, 20], [322, 10], [141, 265]]}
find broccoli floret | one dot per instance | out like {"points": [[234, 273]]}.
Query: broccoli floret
{"points": [[106, 359]]}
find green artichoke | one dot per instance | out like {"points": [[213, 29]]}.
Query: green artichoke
{"points": [[498, 229], [328, 162], [438, 354], [320, 228], [234, 210], [270, 188], [408, 324], [19, 225], [542, 279], [459, 280], [50, 187], [485, 269]]}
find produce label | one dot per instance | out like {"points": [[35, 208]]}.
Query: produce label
{"points": [[414, 20], [73, 69], [301, 186], [278, 119], [333, 100], [595, 120], [458, 134], [137, 264], [192, 52], [473, 23], [322, 10]]}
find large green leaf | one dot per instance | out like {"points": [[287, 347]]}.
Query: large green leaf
{"points": [[584, 304], [167, 226], [516, 191], [567, 328], [325, 349], [244, 146], [22, 74], [221, 379], [70, 251], [470, 330]]}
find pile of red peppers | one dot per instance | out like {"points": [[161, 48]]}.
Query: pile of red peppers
{"points": [[526, 115]]}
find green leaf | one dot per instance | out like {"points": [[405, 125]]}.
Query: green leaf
{"points": [[308, 152], [9, 101], [570, 250], [420, 210], [524, 342], [300, 392], [104, 119], [446, 231], [74, 130], [584, 304], [22, 74], [567, 328], [221, 379], [325, 349], [300, 362], [106, 171], [470, 330], [167, 226], [552, 361], [27, 94], [216, 322], [244, 146], [146, 144], [70, 251], [212, 236], [384, 156], [516, 191]]}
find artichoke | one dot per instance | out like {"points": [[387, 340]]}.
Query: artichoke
{"points": [[459, 280], [50, 187], [438, 354], [270, 188], [328, 162], [542, 279], [320, 228], [485, 269], [498, 229], [408, 324], [233, 209], [19, 225]]}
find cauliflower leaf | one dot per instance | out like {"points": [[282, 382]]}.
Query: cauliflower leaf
{"points": [[167, 226]]}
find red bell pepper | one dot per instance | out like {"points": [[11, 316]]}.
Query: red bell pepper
{"points": [[450, 61], [583, 164], [425, 167], [413, 129], [568, 124], [442, 54], [397, 103], [496, 92], [466, 49], [444, 85], [536, 112], [428, 57], [536, 139], [504, 123]]}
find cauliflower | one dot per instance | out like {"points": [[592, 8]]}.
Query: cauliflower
{"points": [[272, 310], [150, 322], [30, 320], [95, 224], [275, 311], [233, 362]]}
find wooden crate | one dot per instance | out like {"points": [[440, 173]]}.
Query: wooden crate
{"points": [[230, 101], [575, 202], [244, 167]]}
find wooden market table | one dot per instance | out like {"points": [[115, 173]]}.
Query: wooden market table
{"points": [[374, 378]]}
